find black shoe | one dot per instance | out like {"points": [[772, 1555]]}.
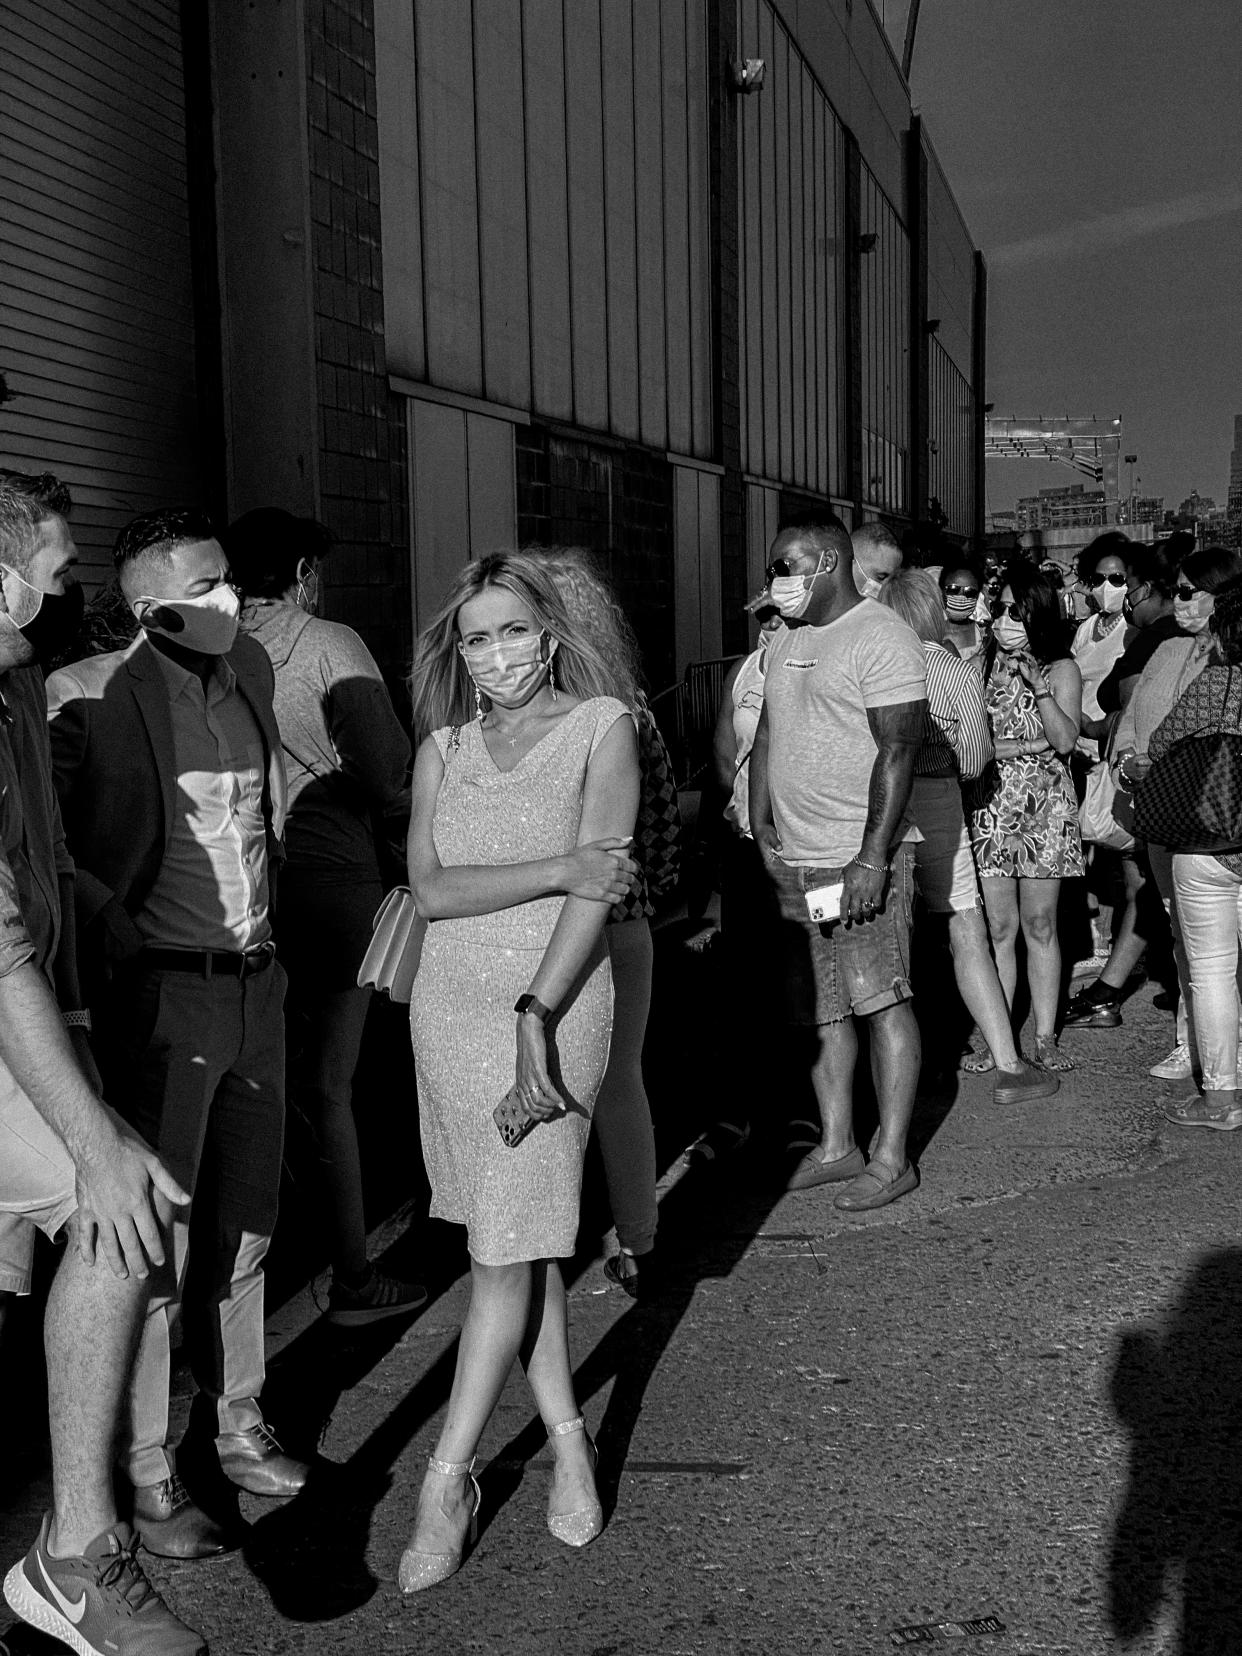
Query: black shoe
{"points": [[1098, 1007]]}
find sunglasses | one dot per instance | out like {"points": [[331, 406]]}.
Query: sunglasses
{"points": [[777, 569], [1184, 592], [1006, 609], [962, 592], [1113, 580]]}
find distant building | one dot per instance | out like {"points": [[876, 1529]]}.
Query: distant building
{"points": [[1233, 505], [1002, 523], [1073, 507], [1141, 509], [1196, 506]]}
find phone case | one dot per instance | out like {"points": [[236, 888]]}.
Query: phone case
{"points": [[824, 903], [512, 1121]]}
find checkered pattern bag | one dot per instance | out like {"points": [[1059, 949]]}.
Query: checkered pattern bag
{"points": [[657, 833], [1192, 798]]}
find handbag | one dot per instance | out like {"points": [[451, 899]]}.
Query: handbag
{"points": [[1191, 800], [1096, 819], [396, 947]]}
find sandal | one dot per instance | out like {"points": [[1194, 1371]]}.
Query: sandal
{"points": [[977, 1062], [1049, 1057], [721, 1138]]}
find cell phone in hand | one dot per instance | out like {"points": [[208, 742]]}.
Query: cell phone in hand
{"points": [[823, 904], [513, 1121]]}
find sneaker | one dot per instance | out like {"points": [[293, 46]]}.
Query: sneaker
{"points": [[378, 1297], [1176, 1067], [1016, 1086], [101, 1604], [1092, 966]]}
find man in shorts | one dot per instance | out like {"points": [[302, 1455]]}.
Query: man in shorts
{"points": [[830, 778], [66, 1162]]}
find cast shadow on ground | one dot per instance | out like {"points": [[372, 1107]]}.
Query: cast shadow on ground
{"points": [[1177, 1537]]}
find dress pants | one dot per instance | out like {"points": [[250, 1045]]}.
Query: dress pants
{"points": [[197, 1065]]}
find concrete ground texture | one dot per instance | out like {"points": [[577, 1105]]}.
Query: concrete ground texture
{"points": [[1014, 1394]]}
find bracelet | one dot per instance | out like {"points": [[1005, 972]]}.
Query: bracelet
{"points": [[872, 868], [1044, 695], [76, 1020]]}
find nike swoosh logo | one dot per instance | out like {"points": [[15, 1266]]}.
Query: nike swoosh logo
{"points": [[75, 1612]]}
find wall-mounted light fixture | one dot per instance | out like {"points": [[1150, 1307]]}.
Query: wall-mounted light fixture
{"points": [[866, 244], [747, 74]]}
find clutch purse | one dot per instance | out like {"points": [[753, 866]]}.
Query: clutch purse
{"points": [[396, 947]]}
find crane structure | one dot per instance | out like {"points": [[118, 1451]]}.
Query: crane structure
{"points": [[1089, 446]]}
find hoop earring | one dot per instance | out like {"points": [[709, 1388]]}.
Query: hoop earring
{"points": [[478, 704], [552, 676]]}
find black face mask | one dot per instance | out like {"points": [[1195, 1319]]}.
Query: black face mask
{"points": [[56, 623]]}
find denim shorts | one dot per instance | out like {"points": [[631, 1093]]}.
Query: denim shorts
{"points": [[835, 970], [944, 862]]}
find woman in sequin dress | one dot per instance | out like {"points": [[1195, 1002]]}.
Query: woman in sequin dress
{"points": [[1024, 827], [525, 795]]}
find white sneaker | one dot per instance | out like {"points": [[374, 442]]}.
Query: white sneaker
{"points": [[1176, 1067]]}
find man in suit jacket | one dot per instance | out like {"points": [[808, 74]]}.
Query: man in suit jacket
{"points": [[171, 783]]}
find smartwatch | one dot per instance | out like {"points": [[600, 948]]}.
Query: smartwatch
{"points": [[536, 1008]]}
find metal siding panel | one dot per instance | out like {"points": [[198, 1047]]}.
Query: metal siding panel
{"points": [[698, 220], [677, 295], [547, 208], [492, 485], [751, 184], [617, 48], [709, 566], [781, 78], [587, 273], [440, 503], [450, 199], [765, 207], [396, 96], [799, 257], [502, 201], [649, 228], [687, 579]]}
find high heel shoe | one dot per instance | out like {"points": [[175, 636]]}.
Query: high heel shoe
{"points": [[419, 1570], [577, 1529]]}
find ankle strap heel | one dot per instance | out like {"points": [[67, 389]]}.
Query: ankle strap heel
{"points": [[578, 1528], [578, 1424]]}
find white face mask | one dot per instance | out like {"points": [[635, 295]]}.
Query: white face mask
{"points": [[509, 671], [983, 615], [1010, 634], [1109, 598], [208, 624], [867, 585], [1193, 614]]}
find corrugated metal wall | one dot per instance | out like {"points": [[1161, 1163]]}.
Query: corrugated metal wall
{"points": [[96, 304]]}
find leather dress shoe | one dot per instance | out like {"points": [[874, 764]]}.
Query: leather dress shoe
{"points": [[254, 1461], [171, 1526]]}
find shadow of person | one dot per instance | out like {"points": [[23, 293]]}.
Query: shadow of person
{"points": [[1177, 1538]]}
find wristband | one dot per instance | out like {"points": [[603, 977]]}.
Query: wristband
{"points": [[872, 868], [1044, 695], [76, 1020], [535, 1008]]}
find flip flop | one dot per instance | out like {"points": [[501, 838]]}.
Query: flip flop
{"points": [[813, 1170]]}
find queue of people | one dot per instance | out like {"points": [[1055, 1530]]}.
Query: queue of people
{"points": [[190, 871]]}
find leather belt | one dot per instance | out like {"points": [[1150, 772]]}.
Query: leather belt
{"points": [[209, 963]]}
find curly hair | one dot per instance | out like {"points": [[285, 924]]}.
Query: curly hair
{"points": [[593, 606], [156, 534], [28, 499], [441, 689]]}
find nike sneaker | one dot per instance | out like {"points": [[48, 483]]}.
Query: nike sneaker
{"points": [[101, 1604]]}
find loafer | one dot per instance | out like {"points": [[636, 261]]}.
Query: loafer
{"points": [[876, 1187], [812, 1170], [254, 1461], [170, 1525], [1016, 1086]]}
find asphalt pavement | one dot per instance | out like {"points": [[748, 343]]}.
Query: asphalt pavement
{"points": [[1008, 1402]]}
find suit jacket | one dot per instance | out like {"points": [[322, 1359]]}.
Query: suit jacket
{"points": [[115, 770]]}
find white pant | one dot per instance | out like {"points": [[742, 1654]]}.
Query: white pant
{"points": [[1209, 907]]}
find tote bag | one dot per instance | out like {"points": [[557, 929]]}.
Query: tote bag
{"points": [[1192, 798]]}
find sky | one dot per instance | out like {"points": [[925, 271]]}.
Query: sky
{"points": [[1095, 149]]}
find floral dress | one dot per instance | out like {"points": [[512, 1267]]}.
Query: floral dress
{"points": [[1024, 824]]}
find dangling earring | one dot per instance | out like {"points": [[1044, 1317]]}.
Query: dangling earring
{"points": [[478, 704], [552, 675]]}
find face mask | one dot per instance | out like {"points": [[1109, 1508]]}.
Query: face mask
{"points": [[508, 672], [982, 615], [1109, 598], [1010, 634], [1193, 614], [48, 621], [867, 585], [208, 624], [958, 608]]}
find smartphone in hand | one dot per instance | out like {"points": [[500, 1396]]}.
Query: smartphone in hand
{"points": [[513, 1120]]}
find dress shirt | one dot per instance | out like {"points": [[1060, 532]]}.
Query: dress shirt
{"points": [[212, 888]]}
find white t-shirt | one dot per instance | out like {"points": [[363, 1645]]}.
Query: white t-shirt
{"points": [[818, 685]]}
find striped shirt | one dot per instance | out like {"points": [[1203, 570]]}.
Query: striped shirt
{"points": [[956, 739]]}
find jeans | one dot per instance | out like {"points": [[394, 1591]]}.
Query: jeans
{"points": [[1209, 907], [622, 1115]]}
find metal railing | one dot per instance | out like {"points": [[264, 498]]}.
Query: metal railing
{"points": [[686, 714]]}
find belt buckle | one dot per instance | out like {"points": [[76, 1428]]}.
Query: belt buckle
{"points": [[257, 960]]}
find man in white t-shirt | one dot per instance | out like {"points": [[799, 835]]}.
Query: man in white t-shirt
{"points": [[830, 778]]}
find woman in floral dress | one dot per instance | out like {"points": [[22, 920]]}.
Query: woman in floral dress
{"points": [[1025, 824]]}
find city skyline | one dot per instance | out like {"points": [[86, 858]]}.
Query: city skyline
{"points": [[1092, 153]]}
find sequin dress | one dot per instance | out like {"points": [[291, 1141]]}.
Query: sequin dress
{"points": [[522, 1203], [1025, 819]]}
